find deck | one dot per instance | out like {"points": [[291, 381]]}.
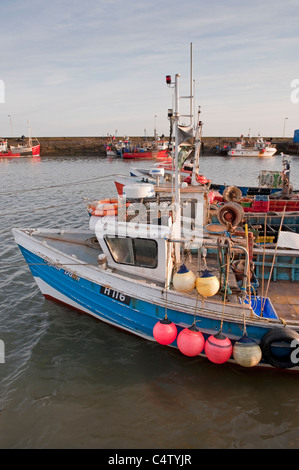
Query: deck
{"points": [[284, 294]]}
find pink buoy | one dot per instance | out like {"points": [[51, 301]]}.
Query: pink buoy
{"points": [[165, 332], [190, 341], [218, 348]]}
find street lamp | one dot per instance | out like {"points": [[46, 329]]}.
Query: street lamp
{"points": [[11, 131], [284, 125]]}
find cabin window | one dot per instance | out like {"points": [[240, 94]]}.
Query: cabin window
{"points": [[140, 252]]}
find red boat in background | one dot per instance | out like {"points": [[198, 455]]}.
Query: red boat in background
{"points": [[156, 150], [21, 150], [25, 148]]}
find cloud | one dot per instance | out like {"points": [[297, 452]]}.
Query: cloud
{"points": [[84, 68]]}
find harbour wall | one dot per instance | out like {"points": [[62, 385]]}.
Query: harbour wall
{"points": [[59, 146]]}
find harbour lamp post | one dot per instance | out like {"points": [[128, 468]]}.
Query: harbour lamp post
{"points": [[11, 131], [284, 125]]}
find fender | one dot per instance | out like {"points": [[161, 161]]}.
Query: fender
{"points": [[278, 335]]}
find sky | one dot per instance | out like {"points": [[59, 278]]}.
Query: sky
{"points": [[98, 67]]}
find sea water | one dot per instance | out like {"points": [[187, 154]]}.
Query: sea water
{"points": [[70, 381]]}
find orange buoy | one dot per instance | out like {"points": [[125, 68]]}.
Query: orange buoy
{"points": [[218, 348], [165, 331], [190, 341]]}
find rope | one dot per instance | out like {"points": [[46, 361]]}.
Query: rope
{"points": [[263, 265], [274, 256], [166, 283], [58, 185], [224, 299], [34, 210], [225, 289]]}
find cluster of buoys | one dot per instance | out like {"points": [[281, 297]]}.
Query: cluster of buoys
{"points": [[206, 284], [218, 348], [191, 342]]}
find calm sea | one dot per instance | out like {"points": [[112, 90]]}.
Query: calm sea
{"points": [[70, 381]]}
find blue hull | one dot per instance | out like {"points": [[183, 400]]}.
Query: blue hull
{"points": [[131, 314]]}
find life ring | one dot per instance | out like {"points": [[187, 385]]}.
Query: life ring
{"points": [[201, 179], [283, 335], [103, 207]]}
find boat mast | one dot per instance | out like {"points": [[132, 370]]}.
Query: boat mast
{"points": [[191, 85], [29, 134], [198, 136], [176, 136], [177, 206]]}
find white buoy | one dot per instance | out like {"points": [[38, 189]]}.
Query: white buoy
{"points": [[247, 352], [184, 279]]}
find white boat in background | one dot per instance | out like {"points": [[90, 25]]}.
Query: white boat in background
{"points": [[256, 148]]}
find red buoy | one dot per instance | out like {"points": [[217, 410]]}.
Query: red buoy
{"points": [[218, 348], [165, 332], [190, 341]]}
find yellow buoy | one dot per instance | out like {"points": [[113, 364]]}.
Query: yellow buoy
{"points": [[184, 279], [207, 284]]}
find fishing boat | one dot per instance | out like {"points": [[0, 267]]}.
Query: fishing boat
{"points": [[161, 150], [155, 150], [20, 150], [28, 147], [121, 181], [111, 150], [137, 153], [273, 186], [163, 277], [252, 148], [113, 147], [4, 152]]}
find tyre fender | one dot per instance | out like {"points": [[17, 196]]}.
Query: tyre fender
{"points": [[279, 335]]}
